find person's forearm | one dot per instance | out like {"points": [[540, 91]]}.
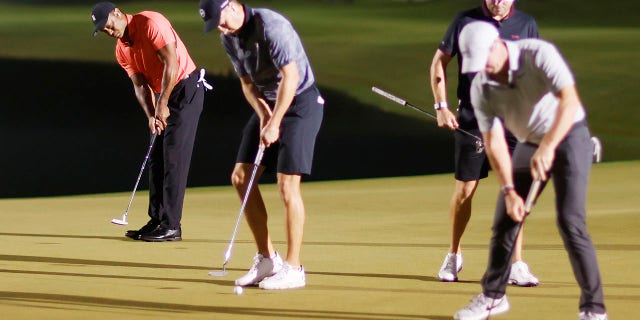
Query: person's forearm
{"points": [[169, 80], [145, 98], [253, 97], [498, 154], [567, 108], [286, 93], [438, 76]]}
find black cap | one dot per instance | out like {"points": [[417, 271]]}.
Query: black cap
{"points": [[210, 13], [100, 15]]}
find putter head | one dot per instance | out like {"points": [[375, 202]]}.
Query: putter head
{"points": [[120, 222], [479, 146], [220, 273]]}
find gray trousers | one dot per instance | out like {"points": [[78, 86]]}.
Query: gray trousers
{"points": [[570, 174]]}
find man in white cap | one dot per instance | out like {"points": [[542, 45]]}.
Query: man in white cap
{"points": [[527, 87]]}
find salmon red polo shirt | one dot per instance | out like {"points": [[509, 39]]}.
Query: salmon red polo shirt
{"points": [[148, 32]]}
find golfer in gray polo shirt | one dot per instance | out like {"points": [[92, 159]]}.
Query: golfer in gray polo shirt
{"points": [[278, 83], [526, 87]]}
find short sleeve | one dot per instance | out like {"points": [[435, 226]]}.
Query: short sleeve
{"points": [[555, 68], [284, 43], [160, 32], [449, 43]]}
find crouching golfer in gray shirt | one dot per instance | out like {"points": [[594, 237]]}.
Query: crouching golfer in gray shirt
{"points": [[278, 83], [527, 87]]}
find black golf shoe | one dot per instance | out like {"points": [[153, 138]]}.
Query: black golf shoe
{"points": [[137, 234], [161, 234]]}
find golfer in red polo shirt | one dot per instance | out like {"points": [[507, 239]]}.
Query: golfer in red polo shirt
{"points": [[171, 93]]}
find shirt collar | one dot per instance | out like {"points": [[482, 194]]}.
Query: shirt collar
{"points": [[514, 59], [245, 30]]}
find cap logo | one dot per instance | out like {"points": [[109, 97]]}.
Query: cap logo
{"points": [[202, 14]]}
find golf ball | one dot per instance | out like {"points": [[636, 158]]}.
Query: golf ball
{"points": [[237, 290]]}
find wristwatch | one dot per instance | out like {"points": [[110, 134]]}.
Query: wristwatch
{"points": [[440, 105], [506, 188]]}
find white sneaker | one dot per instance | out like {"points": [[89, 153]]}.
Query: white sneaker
{"points": [[451, 265], [521, 276], [588, 315], [262, 267], [288, 277], [481, 307]]}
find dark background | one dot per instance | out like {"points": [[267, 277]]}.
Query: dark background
{"points": [[85, 133]]}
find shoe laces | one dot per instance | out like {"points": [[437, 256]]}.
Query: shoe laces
{"points": [[282, 274], [522, 267], [256, 260], [521, 270], [482, 303], [452, 263]]}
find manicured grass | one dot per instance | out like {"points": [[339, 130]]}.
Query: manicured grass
{"points": [[372, 250]]}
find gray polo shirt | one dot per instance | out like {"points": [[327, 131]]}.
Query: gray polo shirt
{"points": [[266, 43], [527, 105]]}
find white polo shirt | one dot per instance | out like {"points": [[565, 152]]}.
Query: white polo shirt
{"points": [[527, 105]]}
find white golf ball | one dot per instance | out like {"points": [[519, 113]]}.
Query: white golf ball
{"points": [[237, 290]]}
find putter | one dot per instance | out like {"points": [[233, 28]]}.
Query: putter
{"points": [[123, 221], [528, 204], [479, 143], [227, 254]]}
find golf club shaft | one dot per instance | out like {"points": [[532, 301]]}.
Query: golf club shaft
{"points": [[256, 165], [405, 103], [531, 196], [528, 203], [144, 163]]}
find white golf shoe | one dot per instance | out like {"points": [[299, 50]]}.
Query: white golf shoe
{"points": [[482, 307], [451, 265], [262, 267], [588, 315], [289, 277], [521, 276]]}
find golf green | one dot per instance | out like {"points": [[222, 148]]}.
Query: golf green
{"points": [[372, 251]]}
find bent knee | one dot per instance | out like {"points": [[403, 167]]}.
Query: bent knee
{"points": [[288, 184], [465, 190], [238, 176]]}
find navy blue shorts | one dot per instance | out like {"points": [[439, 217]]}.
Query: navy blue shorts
{"points": [[469, 164], [293, 152]]}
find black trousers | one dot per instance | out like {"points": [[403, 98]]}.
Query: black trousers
{"points": [[171, 155], [570, 175]]}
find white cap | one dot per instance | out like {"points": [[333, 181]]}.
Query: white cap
{"points": [[475, 41]]}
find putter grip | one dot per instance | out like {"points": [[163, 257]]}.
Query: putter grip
{"points": [[259, 155], [389, 96], [533, 191]]}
